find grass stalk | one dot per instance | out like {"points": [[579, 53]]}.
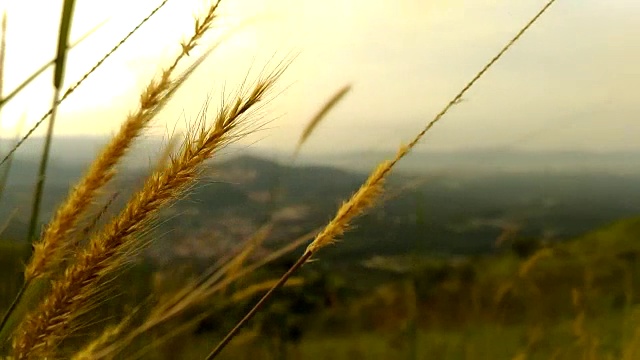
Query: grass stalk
{"points": [[368, 193], [58, 76]]}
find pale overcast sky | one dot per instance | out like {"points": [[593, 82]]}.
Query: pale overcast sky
{"points": [[570, 83]]}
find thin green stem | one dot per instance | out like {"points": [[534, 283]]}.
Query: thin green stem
{"points": [[58, 76], [42, 172]]}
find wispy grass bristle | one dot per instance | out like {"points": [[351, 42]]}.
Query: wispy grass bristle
{"points": [[91, 226]]}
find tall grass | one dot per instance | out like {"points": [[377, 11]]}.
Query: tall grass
{"points": [[65, 277]]}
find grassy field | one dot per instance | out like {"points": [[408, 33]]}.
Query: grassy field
{"points": [[574, 299]]}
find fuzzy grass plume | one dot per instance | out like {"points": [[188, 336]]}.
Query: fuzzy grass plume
{"points": [[102, 169], [72, 292]]}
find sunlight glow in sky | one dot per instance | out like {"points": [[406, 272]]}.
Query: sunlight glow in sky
{"points": [[570, 83]]}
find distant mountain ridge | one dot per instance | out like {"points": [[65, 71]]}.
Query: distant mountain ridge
{"points": [[444, 213], [83, 150]]}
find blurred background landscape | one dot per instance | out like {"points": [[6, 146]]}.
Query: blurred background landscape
{"points": [[447, 266], [511, 232]]}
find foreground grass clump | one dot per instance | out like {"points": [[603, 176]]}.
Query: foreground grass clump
{"points": [[68, 274]]}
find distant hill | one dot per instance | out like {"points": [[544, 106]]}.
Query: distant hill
{"points": [[489, 160], [447, 213]]}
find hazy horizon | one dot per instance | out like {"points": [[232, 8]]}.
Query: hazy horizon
{"points": [[81, 150], [568, 84]]}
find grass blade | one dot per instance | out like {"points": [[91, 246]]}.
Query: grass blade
{"points": [[63, 41], [330, 104]]}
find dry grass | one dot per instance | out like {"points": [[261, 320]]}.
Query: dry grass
{"points": [[76, 267], [154, 97], [53, 246], [72, 293]]}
